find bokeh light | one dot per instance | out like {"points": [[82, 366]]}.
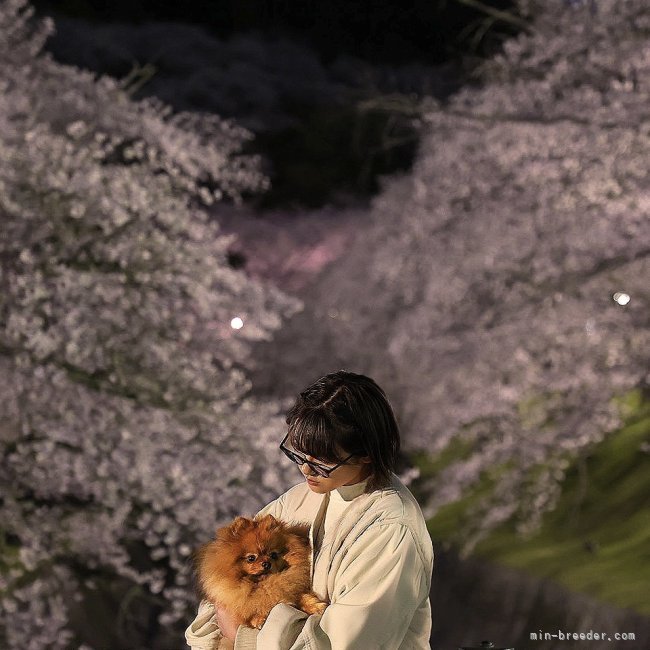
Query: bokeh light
{"points": [[621, 298]]}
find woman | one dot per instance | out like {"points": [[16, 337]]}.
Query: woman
{"points": [[372, 555]]}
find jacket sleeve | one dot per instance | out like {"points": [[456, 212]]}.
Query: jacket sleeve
{"points": [[274, 508], [381, 583], [203, 632]]}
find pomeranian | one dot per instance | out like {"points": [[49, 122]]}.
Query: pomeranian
{"points": [[254, 564]]}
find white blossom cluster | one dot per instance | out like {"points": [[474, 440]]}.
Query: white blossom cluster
{"points": [[492, 272], [127, 431]]}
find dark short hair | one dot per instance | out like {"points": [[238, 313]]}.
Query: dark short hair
{"points": [[349, 410]]}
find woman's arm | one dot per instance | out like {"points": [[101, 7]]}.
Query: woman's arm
{"points": [[378, 588], [203, 632]]}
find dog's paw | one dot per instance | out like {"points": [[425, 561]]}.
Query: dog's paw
{"points": [[311, 604], [319, 607], [257, 621]]}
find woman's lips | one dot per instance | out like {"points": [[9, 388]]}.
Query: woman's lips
{"points": [[310, 481]]}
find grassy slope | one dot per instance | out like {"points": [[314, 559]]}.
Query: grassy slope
{"points": [[597, 540]]}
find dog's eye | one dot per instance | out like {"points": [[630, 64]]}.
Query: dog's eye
{"points": [[274, 555], [250, 558]]}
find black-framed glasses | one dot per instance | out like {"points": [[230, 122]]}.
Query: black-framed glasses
{"points": [[297, 458]]}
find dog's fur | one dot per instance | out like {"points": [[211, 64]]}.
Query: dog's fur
{"points": [[254, 564]]}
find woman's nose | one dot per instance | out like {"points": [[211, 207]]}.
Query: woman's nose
{"points": [[309, 471]]}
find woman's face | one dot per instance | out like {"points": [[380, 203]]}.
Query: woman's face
{"points": [[355, 470]]}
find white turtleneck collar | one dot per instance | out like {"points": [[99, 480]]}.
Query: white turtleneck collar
{"points": [[349, 492]]}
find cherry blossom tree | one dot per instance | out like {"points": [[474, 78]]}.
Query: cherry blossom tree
{"points": [[127, 430], [508, 276]]}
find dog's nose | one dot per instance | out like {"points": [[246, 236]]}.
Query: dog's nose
{"points": [[266, 565]]}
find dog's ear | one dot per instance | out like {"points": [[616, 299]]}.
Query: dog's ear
{"points": [[268, 522], [240, 524], [233, 530]]}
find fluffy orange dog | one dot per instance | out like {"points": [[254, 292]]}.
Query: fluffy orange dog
{"points": [[254, 564]]}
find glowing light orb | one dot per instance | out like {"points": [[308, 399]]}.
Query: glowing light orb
{"points": [[236, 323], [621, 298]]}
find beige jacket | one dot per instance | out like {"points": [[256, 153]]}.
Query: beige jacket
{"points": [[374, 568]]}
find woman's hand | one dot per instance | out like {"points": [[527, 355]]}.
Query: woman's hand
{"points": [[226, 622]]}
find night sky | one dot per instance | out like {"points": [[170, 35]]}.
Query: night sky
{"points": [[326, 144], [429, 31]]}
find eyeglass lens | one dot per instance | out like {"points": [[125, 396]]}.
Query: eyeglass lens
{"points": [[300, 460], [321, 471]]}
